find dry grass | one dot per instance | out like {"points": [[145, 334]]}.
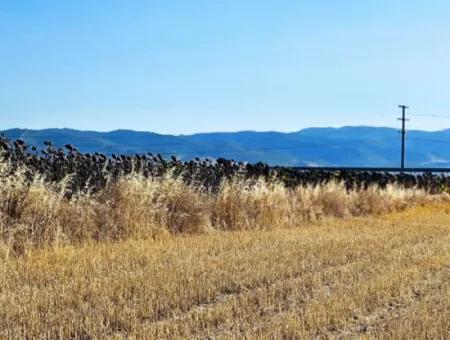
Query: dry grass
{"points": [[374, 277], [38, 215], [310, 262]]}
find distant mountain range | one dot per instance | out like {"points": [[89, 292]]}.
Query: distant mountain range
{"points": [[346, 146]]}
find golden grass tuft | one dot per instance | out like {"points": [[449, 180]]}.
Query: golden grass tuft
{"points": [[241, 205], [139, 207]]}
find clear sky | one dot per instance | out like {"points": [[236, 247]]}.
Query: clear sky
{"points": [[185, 66]]}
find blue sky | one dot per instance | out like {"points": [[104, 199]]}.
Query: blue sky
{"points": [[193, 66]]}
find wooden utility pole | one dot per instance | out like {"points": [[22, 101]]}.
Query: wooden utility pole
{"points": [[403, 133]]}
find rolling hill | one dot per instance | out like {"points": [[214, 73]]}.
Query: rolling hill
{"points": [[346, 146]]}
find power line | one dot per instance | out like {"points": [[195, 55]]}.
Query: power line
{"points": [[50, 138], [430, 140], [348, 143], [429, 115], [240, 150]]}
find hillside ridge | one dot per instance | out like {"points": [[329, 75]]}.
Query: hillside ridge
{"points": [[343, 146]]}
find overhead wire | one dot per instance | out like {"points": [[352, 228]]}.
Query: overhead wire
{"points": [[429, 115], [242, 150], [427, 139], [216, 150], [430, 140], [348, 143]]}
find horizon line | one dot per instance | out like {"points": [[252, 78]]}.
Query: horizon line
{"points": [[217, 131]]}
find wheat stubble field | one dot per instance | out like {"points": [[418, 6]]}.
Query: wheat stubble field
{"points": [[363, 277], [105, 248]]}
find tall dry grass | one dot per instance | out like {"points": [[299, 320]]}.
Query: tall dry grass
{"points": [[38, 214]]}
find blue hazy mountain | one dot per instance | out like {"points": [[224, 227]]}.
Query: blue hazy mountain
{"points": [[346, 146]]}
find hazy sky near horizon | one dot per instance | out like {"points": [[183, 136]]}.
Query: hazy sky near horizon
{"points": [[195, 66]]}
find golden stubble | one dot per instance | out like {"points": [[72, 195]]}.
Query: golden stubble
{"points": [[361, 277]]}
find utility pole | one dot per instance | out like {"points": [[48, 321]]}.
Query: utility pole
{"points": [[403, 132]]}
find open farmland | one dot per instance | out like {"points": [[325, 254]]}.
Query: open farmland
{"points": [[363, 277], [224, 170], [95, 247]]}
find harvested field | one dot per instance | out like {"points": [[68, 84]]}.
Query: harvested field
{"points": [[362, 277]]}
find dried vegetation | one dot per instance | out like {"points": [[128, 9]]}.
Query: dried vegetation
{"points": [[256, 259], [38, 214], [366, 277]]}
